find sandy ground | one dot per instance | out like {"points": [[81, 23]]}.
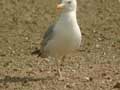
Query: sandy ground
{"points": [[95, 67]]}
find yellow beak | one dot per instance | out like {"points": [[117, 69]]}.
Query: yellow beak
{"points": [[60, 6]]}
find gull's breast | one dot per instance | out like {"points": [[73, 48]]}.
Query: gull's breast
{"points": [[63, 43]]}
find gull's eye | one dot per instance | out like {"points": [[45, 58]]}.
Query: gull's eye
{"points": [[69, 2]]}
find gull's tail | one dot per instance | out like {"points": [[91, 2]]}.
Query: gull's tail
{"points": [[39, 53]]}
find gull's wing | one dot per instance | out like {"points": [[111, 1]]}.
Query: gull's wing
{"points": [[48, 36]]}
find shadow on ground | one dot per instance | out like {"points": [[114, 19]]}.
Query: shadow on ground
{"points": [[10, 79]]}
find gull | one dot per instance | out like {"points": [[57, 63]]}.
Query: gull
{"points": [[64, 37]]}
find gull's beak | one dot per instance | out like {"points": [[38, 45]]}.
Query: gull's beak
{"points": [[60, 6]]}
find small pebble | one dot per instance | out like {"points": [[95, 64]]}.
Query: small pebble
{"points": [[88, 78], [117, 85], [97, 46], [68, 85]]}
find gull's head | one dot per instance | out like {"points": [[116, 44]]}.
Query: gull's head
{"points": [[67, 5]]}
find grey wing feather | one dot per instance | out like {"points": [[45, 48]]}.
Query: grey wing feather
{"points": [[48, 35]]}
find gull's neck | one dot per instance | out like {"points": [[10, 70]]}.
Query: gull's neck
{"points": [[69, 16]]}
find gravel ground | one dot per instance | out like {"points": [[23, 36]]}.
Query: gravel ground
{"points": [[95, 67]]}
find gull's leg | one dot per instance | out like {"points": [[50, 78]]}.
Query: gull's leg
{"points": [[59, 63], [60, 74], [59, 70]]}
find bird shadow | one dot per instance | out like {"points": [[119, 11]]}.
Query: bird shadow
{"points": [[15, 79]]}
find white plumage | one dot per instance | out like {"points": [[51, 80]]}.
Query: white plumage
{"points": [[65, 36]]}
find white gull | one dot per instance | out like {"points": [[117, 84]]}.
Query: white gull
{"points": [[63, 37]]}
